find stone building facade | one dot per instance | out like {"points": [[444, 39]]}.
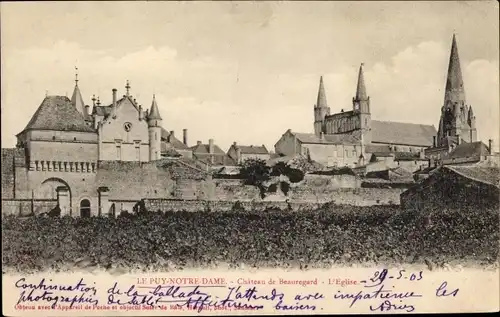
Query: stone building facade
{"points": [[240, 153], [77, 156]]}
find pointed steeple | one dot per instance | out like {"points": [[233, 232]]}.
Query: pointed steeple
{"points": [[154, 113], [471, 113], [454, 83], [77, 99], [321, 102], [361, 88]]}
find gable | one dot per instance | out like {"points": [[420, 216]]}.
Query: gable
{"points": [[114, 128]]}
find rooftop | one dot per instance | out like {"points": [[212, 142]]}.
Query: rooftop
{"points": [[58, 113]]}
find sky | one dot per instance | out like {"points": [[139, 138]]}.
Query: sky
{"points": [[247, 71]]}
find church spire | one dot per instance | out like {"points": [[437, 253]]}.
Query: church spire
{"points": [[77, 99], [154, 113], [361, 88], [321, 102], [454, 91]]}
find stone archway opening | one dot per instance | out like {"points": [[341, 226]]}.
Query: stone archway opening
{"points": [[85, 208]]}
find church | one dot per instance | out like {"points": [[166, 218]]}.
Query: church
{"points": [[351, 138]]}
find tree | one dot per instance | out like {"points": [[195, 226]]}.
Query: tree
{"points": [[255, 172]]}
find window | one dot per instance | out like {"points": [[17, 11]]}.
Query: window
{"points": [[118, 152], [346, 153], [137, 153], [85, 208], [156, 136]]}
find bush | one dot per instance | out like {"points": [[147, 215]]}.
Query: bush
{"points": [[285, 188], [56, 212], [331, 234]]}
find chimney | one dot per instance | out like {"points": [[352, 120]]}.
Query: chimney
{"points": [[422, 154], [434, 141], [234, 143], [490, 146], [87, 109], [198, 142], [172, 134], [238, 155], [141, 113], [114, 103], [211, 146], [185, 136]]}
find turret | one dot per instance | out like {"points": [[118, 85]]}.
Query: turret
{"points": [[321, 109], [77, 100], [154, 128]]}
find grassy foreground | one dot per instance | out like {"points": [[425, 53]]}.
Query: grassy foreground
{"points": [[333, 235]]}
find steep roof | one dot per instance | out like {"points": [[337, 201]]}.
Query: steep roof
{"points": [[468, 150], [78, 103], [58, 113], [321, 101], [361, 88], [343, 138], [486, 175], [204, 149], [176, 143], [154, 113], [454, 83], [252, 149], [402, 133]]}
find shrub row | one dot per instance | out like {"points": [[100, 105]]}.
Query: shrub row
{"points": [[330, 235]]}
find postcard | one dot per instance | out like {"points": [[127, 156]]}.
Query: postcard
{"points": [[248, 158]]}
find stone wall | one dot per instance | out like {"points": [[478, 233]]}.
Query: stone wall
{"points": [[23, 207], [8, 173], [166, 205], [234, 190], [347, 196], [331, 181]]}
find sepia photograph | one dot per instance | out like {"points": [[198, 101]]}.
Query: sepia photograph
{"points": [[143, 136]]}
